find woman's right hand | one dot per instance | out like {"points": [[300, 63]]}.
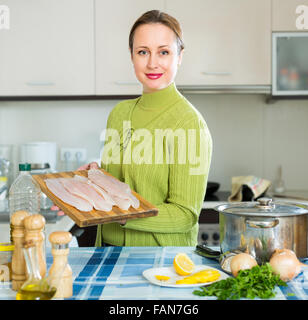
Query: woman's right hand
{"points": [[88, 166]]}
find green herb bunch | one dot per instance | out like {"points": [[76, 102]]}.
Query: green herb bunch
{"points": [[258, 281]]}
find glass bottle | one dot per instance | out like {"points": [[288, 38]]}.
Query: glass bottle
{"points": [[35, 287]]}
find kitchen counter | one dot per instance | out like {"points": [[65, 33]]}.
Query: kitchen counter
{"points": [[115, 273]]}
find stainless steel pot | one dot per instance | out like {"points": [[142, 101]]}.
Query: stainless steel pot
{"points": [[259, 228]]}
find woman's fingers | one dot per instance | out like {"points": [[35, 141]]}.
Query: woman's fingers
{"points": [[56, 208], [88, 166], [122, 222]]}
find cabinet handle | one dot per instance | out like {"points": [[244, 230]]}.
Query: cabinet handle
{"points": [[216, 73], [39, 83], [126, 83]]}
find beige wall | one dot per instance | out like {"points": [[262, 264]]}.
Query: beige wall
{"points": [[250, 136]]}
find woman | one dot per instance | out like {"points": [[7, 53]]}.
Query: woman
{"points": [[173, 179]]}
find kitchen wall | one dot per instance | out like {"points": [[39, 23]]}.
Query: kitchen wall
{"points": [[250, 136]]}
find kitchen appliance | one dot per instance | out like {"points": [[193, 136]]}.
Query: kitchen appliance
{"points": [[212, 187], [289, 63], [209, 218], [39, 154], [259, 228]]}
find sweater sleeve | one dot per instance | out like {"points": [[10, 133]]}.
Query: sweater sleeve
{"points": [[187, 185]]}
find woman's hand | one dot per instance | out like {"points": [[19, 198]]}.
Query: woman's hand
{"points": [[55, 208], [91, 165]]}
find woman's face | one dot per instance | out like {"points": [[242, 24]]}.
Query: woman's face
{"points": [[155, 56]]}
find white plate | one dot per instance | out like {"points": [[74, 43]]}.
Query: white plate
{"points": [[149, 274]]}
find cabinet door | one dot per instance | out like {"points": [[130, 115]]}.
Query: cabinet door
{"points": [[227, 42], [114, 69], [290, 15], [49, 48]]}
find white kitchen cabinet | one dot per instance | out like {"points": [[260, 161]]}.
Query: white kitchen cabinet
{"points": [[285, 16], [114, 69], [49, 48], [227, 42]]}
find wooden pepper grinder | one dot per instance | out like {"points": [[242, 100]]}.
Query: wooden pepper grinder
{"points": [[60, 268], [19, 273], [34, 226]]}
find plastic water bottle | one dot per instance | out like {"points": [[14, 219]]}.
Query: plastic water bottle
{"points": [[24, 192]]}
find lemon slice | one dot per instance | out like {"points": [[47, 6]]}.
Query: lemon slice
{"points": [[183, 265], [162, 278]]}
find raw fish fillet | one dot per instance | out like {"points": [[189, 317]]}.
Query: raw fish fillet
{"points": [[85, 191], [58, 190], [101, 191], [113, 186], [123, 204]]}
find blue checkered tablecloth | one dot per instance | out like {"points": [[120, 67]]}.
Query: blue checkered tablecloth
{"points": [[116, 273]]}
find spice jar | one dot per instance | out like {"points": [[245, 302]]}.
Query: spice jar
{"points": [[6, 252]]}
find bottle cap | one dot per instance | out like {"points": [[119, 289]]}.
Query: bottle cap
{"points": [[24, 167]]}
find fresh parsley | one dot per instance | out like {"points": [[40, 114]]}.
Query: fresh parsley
{"points": [[258, 281]]}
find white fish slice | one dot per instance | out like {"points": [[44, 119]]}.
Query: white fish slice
{"points": [[98, 189], [85, 191], [113, 186], [58, 190], [135, 201], [123, 204]]}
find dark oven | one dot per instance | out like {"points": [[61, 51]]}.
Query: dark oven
{"points": [[209, 218]]}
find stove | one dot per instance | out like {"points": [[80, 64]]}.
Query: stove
{"points": [[209, 218]]}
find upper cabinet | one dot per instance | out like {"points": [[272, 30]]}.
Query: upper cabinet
{"points": [[227, 42], [289, 15], [114, 69], [80, 47], [48, 49]]}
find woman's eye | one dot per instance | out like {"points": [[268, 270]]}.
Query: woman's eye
{"points": [[142, 52], [164, 52]]}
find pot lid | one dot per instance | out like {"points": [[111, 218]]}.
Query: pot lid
{"points": [[264, 207]]}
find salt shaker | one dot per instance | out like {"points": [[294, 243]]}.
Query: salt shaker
{"points": [[19, 273], [60, 268], [34, 231]]}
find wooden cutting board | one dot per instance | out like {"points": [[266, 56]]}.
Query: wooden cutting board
{"points": [[94, 217]]}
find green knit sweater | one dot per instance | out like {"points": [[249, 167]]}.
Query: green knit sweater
{"points": [[161, 147]]}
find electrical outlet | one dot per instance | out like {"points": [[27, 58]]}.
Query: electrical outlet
{"points": [[73, 154]]}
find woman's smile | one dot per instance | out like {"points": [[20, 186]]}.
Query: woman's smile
{"points": [[154, 76]]}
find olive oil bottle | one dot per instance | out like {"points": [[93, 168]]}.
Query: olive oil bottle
{"points": [[35, 287], [35, 292]]}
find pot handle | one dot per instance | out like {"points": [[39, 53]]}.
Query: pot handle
{"points": [[262, 224], [207, 252]]}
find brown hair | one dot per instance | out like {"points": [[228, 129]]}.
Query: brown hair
{"points": [[157, 16]]}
